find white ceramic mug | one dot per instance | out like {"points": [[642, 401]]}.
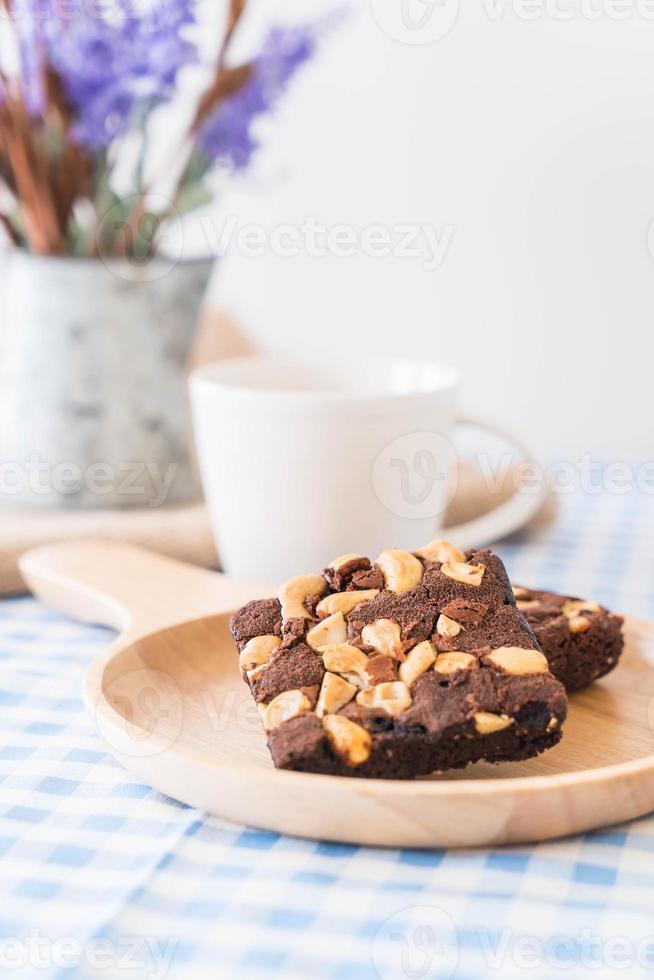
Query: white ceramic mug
{"points": [[304, 461]]}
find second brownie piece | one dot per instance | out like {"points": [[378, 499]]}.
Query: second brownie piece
{"points": [[398, 668], [581, 640]]}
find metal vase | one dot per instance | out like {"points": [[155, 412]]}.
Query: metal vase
{"points": [[93, 396]]}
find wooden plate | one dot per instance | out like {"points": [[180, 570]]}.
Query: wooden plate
{"points": [[171, 706]]}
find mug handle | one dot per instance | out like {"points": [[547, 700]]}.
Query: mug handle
{"points": [[511, 514]]}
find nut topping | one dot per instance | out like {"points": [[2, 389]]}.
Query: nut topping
{"points": [[401, 570], [341, 658], [515, 660], [294, 592], [573, 607], [349, 741], [464, 572], [417, 662], [285, 706], [448, 663], [327, 632], [524, 605], [342, 560], [486, 723], [384, 636], [392, 697], [256, 672], [344, 602], [257, 650], [335, 693], [447, 627], [578, 624], [441, 551], [572, 610]]}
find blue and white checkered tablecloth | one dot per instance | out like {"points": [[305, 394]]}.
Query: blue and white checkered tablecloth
{"points": [[102, 877]]}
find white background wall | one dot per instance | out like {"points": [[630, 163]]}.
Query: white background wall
{"points": [[534, 141]]}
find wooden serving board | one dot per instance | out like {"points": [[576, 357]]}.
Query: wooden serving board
{"points": [[169, 702]]}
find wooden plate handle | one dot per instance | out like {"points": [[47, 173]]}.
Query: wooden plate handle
{"points": [[129, 588]]}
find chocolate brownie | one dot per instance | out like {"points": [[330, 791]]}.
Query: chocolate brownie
{"points": [[581, 640], [401, 667]]}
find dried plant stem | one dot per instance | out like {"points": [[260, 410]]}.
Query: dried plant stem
{"points": [[227, 81], [45, 171], [236, 10], [41, 228], [11, 232], [122, 244]]}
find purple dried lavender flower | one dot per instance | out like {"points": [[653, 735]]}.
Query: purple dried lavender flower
{"points": [[114, 66], [227, 136]]}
